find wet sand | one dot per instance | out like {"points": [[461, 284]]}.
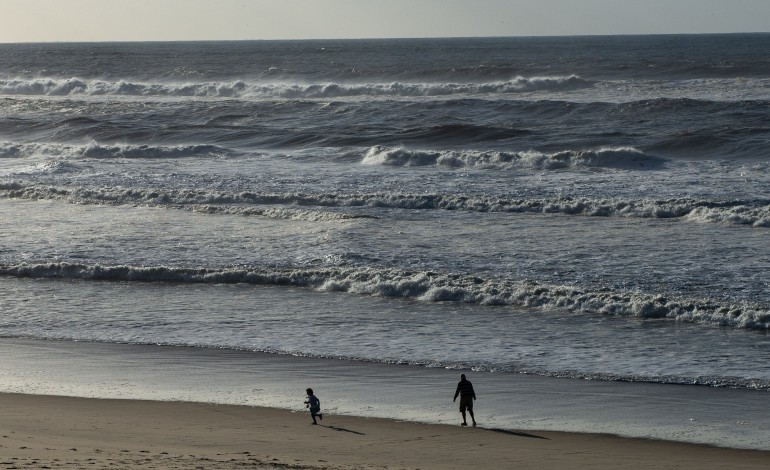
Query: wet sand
{"points": [[63, 432], [704, 415]]}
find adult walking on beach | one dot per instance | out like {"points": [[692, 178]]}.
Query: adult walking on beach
{"points": [[467, 397]]}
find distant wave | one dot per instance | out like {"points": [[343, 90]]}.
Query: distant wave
{"points": [[242, 89], [429, 287], [619, 158], [94, 150], [277, 213], [754, 213], [622, 157]]}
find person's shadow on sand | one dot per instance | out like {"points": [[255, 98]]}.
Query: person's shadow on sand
{"points": [[503, 431], [335, 428], [520, 434]]}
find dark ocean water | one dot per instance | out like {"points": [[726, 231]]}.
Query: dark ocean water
{"points": [[593, 207]]}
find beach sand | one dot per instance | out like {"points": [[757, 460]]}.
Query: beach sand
{"points": [[714, 416], [63, 432]]}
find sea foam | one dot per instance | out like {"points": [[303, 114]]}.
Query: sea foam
{"points": [[621, 157], [106, 151], [754, 213], [256, 89], [428, 287]]}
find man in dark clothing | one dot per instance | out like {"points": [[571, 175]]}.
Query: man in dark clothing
{"points": [[467, 396]]}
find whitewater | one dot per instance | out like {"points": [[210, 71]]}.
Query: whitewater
{"points": [[582, 209]]}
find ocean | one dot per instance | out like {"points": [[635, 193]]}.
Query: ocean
{"points": [[567, 212]]}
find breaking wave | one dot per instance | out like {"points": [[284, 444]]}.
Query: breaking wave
{"points": [[428, 287], [101, 151], [242, 89], [619, 158], [277, 213], [755, 213]]}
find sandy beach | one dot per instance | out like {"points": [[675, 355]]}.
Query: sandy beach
{"points": [[197, 229], [64, 432]]}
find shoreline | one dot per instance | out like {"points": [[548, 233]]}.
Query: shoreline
{"points": [[733, 419], [53, 431]]}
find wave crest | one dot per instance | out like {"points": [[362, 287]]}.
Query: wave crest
{"points": [[428, 287], [620, 158], [103, 151], [754, 213], [242, 89]]}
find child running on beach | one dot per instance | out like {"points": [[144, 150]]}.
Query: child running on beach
{"points": [[314, 404]]}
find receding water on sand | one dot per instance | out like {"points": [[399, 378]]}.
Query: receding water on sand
{"points": [[717, 416]]}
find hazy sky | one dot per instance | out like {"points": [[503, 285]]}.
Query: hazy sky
{"points": [[151, 20]]}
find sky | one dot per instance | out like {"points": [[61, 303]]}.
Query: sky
{"points": [[169, 20]]}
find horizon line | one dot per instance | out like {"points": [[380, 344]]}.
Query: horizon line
{"points": [[392, 38]]}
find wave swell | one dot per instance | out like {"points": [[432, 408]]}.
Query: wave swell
{"points": [[242, 89], [426, 286], [620, 158], [101, 151], [755, 213]]}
